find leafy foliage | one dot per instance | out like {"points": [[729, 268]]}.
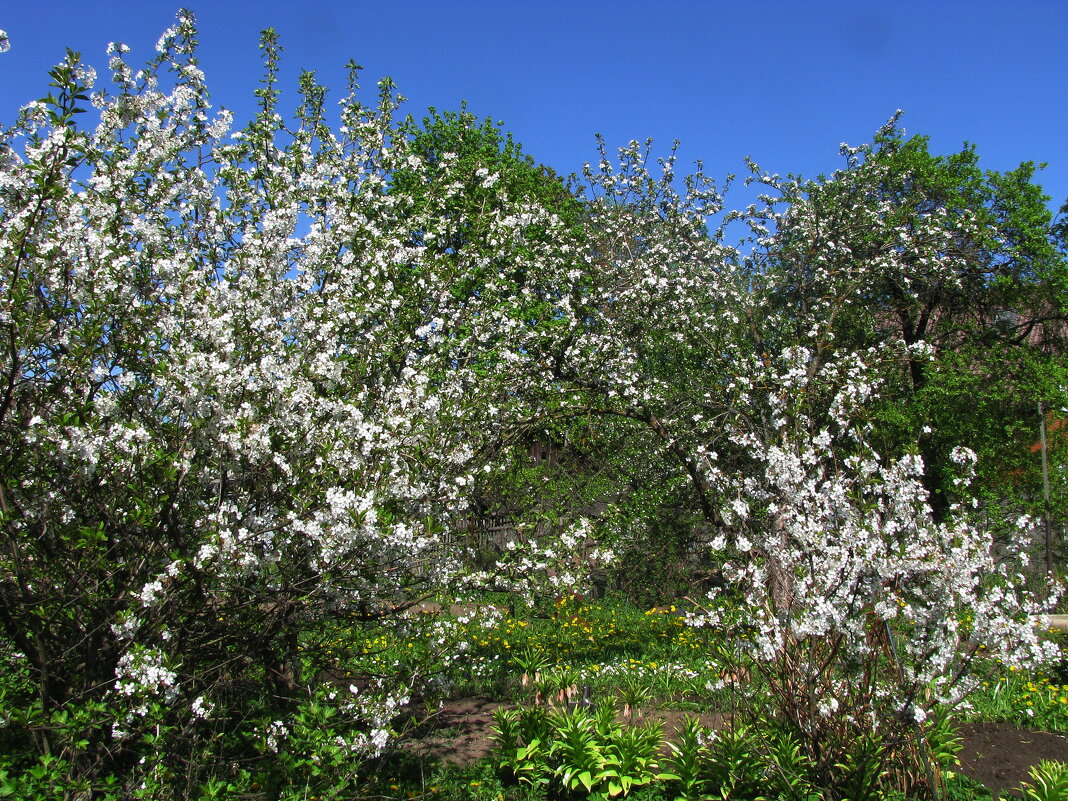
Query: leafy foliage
{"points": [[1049, 782], [255, 382]]}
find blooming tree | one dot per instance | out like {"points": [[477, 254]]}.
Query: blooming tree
{"points": [[858, 606], [242, 395], [943, 253]]}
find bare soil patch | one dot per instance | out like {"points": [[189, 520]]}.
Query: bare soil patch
{"points": [[1000, 755], [460, 732]]}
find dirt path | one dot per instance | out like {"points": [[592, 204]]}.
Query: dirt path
{"points": [[460, 733]]}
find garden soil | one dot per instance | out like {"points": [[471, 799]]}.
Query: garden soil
{"points": [[1000, 755], [997, 754]]}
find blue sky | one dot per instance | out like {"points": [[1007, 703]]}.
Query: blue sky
{"points": [[783, 82]]}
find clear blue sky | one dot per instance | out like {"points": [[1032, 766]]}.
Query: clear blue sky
{"points": [[784, 82]]}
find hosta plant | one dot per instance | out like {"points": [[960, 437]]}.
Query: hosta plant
{"points": [[577, 751]]}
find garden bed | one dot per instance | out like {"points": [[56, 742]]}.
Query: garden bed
{"points": [[997, 754]]}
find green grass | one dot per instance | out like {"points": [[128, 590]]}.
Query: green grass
{"points": [[1035, 702], [607, 642]]}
